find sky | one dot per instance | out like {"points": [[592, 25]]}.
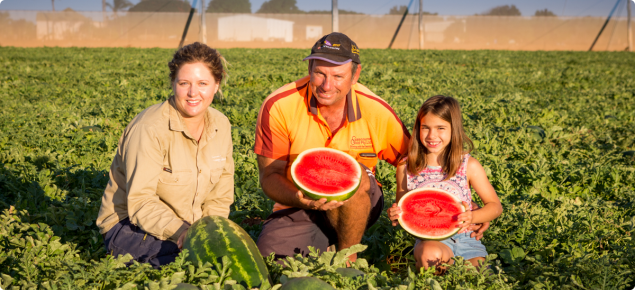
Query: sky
{"points": [[443, 7]]}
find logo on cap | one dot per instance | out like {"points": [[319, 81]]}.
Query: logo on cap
{"points": [[327, 43], [354, 49]]}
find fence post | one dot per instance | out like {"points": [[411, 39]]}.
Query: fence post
{"points": [[420, 24], [629, 28], [335, 17], [203, 24]]}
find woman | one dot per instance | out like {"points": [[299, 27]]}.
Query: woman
{"points": [[173, 165]]}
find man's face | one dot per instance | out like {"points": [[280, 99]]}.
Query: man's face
{"points": [[331, 82]]}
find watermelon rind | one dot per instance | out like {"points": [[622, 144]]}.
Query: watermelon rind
{"points": [[212, 237], [416, 233], [306, 283], [345, 193]]}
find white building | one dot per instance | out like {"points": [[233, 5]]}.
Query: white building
{"points": [[251, 28]]}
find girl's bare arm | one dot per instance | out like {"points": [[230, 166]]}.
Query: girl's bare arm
{"points": [[477, 178], [402, 188]]}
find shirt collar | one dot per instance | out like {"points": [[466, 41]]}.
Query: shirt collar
{"points": [[353, 112], [177, 124]]}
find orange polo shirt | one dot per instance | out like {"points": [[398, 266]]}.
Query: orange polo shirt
{"points": [[289, 122]]}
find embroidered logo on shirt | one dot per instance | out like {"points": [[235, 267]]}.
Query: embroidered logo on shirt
{"points": [[218, 158], [167, 169], [360, 143]]}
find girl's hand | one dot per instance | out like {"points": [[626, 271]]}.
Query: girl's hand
{"points": [[466, 218], [393, 214]]}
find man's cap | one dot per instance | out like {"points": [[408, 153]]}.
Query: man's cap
{"points": [[335, 48]]}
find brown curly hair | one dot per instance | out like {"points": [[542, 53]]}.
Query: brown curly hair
{"points": [[198, 52]]}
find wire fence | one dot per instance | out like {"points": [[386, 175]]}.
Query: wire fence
{"points": [[164, 29]]}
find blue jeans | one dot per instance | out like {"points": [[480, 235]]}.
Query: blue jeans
{"points": [[463, 245], [126, 238]]}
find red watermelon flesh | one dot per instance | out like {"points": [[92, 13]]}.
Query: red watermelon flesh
{"points": [[430, 213], [326, 173]]}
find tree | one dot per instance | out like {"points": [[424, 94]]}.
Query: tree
{"points": [[229, 6], [503, 10], [401, 9], [161, 6], [340, 11], [279, 6], [119, 5], [544, 12], [398, 9]]}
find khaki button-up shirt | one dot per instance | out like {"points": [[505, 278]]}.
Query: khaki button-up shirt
{"points": [[161, 176]]}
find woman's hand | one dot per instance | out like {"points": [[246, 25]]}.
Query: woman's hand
{"points": [[181, 240], [393, 214], [466, 218]]}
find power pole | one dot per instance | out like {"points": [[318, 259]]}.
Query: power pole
{"points": [[629, 29], [53, 3], [187, 24], [103, 11], [605, 23], [203, 24], [335, 15], [420, 24]]}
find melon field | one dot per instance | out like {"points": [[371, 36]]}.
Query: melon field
{"points": [[555, 132]]}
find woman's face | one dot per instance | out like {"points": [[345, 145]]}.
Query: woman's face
{"points": [[194, 88]]}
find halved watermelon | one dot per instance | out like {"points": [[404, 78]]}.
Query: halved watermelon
{"points": [[430, 214], [326, 173]]}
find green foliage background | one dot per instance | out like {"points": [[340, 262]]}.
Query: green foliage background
{"points": [[554, 130]]}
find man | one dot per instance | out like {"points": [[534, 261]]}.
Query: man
{"points": [[328, 108]]}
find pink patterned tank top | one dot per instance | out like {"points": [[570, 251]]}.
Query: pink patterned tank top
{"points": [[433, 177]]}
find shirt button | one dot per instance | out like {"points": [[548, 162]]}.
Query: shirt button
{"points": [[199, 171]]}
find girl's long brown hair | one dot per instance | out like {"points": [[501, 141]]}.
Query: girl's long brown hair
{"points": [[448, 109]]}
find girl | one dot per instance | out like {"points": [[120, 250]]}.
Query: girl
{"points": [[438, 158]]}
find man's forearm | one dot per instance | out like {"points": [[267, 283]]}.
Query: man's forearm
{"points": [[280, 190]]}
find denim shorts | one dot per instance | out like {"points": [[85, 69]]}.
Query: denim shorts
{"points": [[463, 245]]}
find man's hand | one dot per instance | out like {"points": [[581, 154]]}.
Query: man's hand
{"points": [[320, 204], [181, 240], [478, 230], [393, 214]]}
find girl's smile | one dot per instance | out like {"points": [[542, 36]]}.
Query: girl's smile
{"points": [[435, 133]]}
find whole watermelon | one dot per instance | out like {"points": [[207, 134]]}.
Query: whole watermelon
{"points": [[349, 272], [306, 283], [213, 237]]}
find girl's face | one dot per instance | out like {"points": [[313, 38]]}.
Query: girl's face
{"points": [[435, 133]]}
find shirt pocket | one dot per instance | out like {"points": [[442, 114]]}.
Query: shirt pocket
{"points": [[174, 188], [215, 174]]}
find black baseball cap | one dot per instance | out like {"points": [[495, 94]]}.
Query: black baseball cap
{"points": [[335, 48]]}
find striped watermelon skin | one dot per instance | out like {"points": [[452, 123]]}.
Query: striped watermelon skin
{"points": [[213, 237]]}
